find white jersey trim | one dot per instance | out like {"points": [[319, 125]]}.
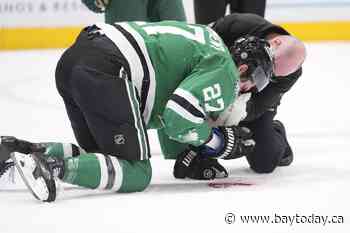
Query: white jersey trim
{"points": [[178, 109], [190, 98], [152, 86], [135, 63]]}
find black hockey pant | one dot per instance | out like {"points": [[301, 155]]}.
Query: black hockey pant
{"points": [[103, 108], [270, 145]]}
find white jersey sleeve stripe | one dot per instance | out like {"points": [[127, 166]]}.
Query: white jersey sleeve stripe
{"points": [[190, 98], [178, 109]]}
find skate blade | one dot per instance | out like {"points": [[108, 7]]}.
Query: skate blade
{"points": [[38, 186]]}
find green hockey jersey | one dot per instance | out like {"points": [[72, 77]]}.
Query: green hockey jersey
{"points": [[183, 74]]}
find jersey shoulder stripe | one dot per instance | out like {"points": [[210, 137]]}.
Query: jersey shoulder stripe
{"points": [[190, 98], [188, 102], [186, 105], [183, 112]]}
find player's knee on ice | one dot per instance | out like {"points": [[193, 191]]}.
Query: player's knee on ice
{"points": [[266, 161], [138, 176]]}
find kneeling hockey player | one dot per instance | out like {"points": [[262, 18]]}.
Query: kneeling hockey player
{"points": [[118, 80]]}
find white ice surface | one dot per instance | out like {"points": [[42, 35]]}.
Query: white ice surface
{"points": [[316, 115]]}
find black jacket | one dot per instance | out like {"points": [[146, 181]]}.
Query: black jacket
{"points": [[232, 27]]}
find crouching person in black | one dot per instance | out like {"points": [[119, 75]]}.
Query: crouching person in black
{"points": [[271, 145]]}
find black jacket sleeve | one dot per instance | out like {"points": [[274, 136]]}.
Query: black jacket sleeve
{"points": [[232, 27]]}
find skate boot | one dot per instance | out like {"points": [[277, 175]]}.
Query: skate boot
{"points": [[9, 145], [288, 156], [39, 173]]}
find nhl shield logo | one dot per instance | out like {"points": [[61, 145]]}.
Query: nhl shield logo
{"points": [[119, 139]]}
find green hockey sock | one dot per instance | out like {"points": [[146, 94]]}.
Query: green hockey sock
{"points": [[99, 171], [62, 150]]}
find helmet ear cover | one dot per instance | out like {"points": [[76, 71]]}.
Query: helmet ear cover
{"points": [[257, 55]]}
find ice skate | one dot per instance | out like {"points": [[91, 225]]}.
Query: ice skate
{"points": [[9, 145], [5, 160], [39, 173]]}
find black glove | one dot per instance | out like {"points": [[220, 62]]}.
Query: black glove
{"points": [[189, 164], [237, 141]]}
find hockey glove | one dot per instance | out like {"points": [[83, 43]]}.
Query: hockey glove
{"points": [[235, 142], [190, 165], [97, 6]]}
